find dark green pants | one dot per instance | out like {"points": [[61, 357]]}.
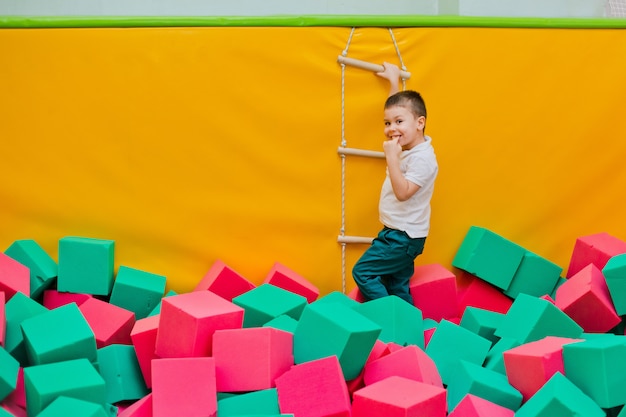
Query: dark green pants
{"points": [[387, 265]]}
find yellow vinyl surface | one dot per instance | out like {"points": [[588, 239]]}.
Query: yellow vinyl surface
{"points": [[189, 145]]}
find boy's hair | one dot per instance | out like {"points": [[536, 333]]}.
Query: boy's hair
{"points": [[409, 99]]}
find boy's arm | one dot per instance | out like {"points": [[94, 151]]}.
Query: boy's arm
{"points": [[391, 73], [402, 188]]}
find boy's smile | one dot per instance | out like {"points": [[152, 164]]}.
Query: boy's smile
{"points": [[403, 126]]}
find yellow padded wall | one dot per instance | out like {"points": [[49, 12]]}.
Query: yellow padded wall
{"points": [[188, 145]]}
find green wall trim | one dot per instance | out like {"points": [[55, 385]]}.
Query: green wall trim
{"points": [[307, 21]]}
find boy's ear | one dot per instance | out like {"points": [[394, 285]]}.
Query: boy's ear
{"points": [[421, 122]]}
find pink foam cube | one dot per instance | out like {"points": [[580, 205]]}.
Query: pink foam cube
{"points": [[18, 396], [409, 362], [586, 299], [379, 350], [479, 293], [3, 321], [224, 281], [531, 365], [283, 277], [189, 320], [434, 291], [473, 406], [396, 396], [594, 249], [251, 359], [143, 336], [140, 408], [110, 324], [184, 387], [314, 389], [356, 295], [53, 298], [14, 277]]}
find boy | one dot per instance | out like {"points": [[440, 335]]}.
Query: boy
{"points": [[387, 265]]}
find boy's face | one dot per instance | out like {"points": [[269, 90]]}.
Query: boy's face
{"points": [[402, 125]]}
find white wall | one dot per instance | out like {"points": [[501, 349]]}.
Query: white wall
{"points": [[506, 8]]}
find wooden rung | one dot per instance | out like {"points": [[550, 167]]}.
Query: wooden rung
{"points": [[360, 152], [368, 66], [354, 239]]}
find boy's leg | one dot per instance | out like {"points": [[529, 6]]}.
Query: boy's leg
{"points": [[398, 283]]}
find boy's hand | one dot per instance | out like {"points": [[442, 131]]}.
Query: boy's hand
{"points": [[392, 149], [391, 73]]}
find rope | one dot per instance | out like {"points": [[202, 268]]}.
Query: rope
{"points": [[344, 143]]}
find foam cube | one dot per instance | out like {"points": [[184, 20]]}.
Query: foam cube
{"points": [[157, 309], [140, 408], [482, 322], [379, 350], [184, 387], [251, 359], [531, 318], [470, 378], [399, 321], [530, 366], [120, 369], [535, 276], [17, 309], [188, 321], [495, 358], [585, 298], [473, 406], [410, 362], [314, 389], [86, 265], [10, 410], [67, 406], [287, 279], [43, 269], [137, 291], [434, 292], [338, 297], [76, 378], [560, 397], [14, 277], [110, 323], [326, 329], [58, 335], [615, 276], [261, 402], [594, 249], [9, 369], [475, 292], [489, 256], [53, 298], [451, 343], [399, 397], [143, 336], [18, 396], [3, 324], [598, 368], [224, 281], [266, 302], [283, 322]]}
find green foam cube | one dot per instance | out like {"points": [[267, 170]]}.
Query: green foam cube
{"points": [[337, 297], [58, 335], [266, 302], [86, 265], [43, 269], [9, 369], [531, 318], [67, 406], [451, 343], [482, 322], [261, 402], [598, 368], [470, 378], [19, 308], [327, 329], [400, 322], [76, 378], [120, 369], [559, 397], [283, 322], [489, 257], [535, 276], [157, 309], [615, 275], [137, 291]]}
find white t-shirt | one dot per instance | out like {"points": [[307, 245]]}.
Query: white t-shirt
{"points": [[418, 165]]}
